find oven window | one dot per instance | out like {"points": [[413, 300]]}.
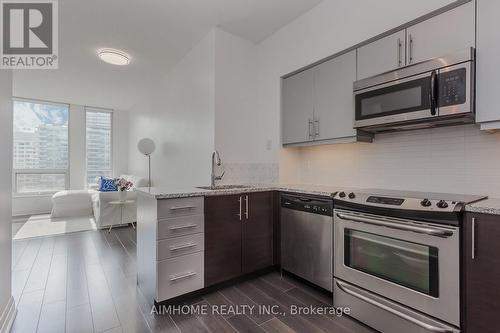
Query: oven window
{"points": [[410, 96], [408, 264]]}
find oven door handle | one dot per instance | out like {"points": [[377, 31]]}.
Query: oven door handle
{"points": [[400, 226], [401, 315]]}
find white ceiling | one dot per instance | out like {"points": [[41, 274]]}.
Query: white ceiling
{"points": [[156, 33]]}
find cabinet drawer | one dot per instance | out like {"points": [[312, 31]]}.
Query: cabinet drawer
{"points": [[178, 246], [180, 275], [181, 226], [168, 208]]}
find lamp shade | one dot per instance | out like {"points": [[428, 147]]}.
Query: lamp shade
{"points": [[146, 146]]}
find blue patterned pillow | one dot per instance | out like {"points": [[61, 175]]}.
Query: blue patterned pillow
{"points": [[107, 185]]}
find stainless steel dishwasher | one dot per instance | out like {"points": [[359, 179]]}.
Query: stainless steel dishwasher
{"points": [[306, 238]]}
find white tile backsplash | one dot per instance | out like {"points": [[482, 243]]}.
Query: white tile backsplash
{"points": [[249, 173], [459, 159]]}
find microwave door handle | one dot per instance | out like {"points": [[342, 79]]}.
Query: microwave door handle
{"points": [[433, 93]]}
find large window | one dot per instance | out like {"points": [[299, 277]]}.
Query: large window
{"points": [[99, 144], [40, 146]]}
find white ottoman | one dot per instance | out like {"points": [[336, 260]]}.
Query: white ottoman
{"points": [[72, 203]]}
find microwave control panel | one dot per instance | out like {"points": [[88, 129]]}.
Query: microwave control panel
{"points": [[452, 87]]}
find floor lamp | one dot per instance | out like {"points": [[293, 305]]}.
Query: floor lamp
{"points": [[147, 147]]}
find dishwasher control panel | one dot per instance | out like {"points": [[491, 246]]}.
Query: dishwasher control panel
{"points": [[308, 204]]}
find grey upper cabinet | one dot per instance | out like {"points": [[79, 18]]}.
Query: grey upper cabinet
{"points": [[297, 108], [333, 98], [488, 71], [317, 104], [382, 55], [443, 34], [440, 35]]}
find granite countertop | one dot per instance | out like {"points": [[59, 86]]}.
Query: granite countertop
{"points": [[488, 206], [169, 193]]}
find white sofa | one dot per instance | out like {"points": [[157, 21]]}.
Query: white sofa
{"points": [[72, 203], [106, 214]]}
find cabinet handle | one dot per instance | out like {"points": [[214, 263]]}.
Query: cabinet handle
{"points": [[182, 207], [310, 129], [316, 128], [183, 276], [473, 240], [187, 226], [411, 49], [246, 208], [182, 247], [400, 60], [240, 202]]}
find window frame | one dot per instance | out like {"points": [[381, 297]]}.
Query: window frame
{"points": [[38, 172], [16, 171], [86, 109]]}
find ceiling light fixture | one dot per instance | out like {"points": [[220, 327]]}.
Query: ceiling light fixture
{"points": [[114, 57]]}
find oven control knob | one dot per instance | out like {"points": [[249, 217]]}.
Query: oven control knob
{"points": [[442, 204], [352, 195], [342, 195], [426, 203]]}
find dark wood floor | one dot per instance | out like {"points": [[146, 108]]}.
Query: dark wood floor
{"points": [[86, 282]]}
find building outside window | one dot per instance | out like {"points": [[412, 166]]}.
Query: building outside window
{"points": [[99, 133], [40, 151]]}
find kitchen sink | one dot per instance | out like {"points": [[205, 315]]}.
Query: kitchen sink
{"points": [[224, 187]]}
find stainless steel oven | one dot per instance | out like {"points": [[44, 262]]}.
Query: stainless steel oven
{"points": [[410, 262], [397, 259], [432, 93]]}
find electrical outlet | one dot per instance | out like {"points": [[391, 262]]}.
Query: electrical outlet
{"points": [[269, 144]]}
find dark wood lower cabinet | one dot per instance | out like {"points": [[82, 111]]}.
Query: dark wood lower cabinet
{"points": [[222, 239], [481, 273], [238, 235], [257, 236]]}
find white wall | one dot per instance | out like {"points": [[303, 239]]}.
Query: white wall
{"points": [[237, 120], [6, 300], [235, 98], [121, 142], [208, 101], [179, 117], [247, 113], [459, 159], [328, 28], [40, 204], [456, 159]]}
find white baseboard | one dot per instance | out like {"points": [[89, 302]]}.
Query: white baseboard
{"points": [[8, 316]]}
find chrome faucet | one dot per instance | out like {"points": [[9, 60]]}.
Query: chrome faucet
{"points": [[215, 161]]}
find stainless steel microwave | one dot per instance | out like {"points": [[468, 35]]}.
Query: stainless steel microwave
{"points": [[437, 92]]}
